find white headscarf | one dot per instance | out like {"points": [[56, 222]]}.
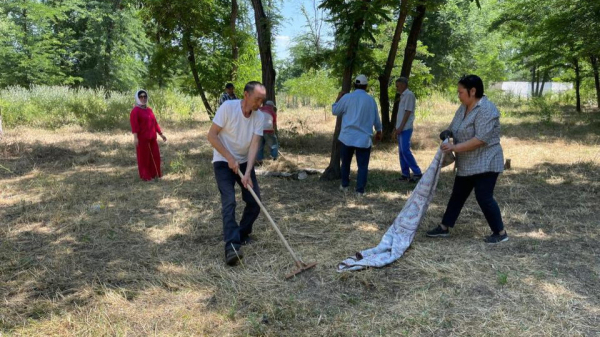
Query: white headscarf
{"points": [[137, 99]]}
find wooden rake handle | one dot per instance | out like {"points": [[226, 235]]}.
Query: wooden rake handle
{"points": [[275, 227]]}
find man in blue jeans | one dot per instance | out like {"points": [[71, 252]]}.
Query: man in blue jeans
{"points": [[359, 115], [235, 135], [403, 131]]}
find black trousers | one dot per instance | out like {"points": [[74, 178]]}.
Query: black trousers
{"points": [[483, 184]]}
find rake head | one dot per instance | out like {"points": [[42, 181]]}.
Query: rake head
{"points": [[300, 267]]}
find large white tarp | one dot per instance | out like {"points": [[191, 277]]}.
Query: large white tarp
{"points": [[400, 235]]}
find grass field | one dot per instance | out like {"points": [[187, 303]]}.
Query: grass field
{"points": [[87, 249]]}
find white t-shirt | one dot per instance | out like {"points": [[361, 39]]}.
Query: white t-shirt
{"points": [[268, 121], [237, 131]]}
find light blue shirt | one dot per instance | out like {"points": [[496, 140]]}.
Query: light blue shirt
{"points": [[359, 115]]}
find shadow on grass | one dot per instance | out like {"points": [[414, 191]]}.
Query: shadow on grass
{"points": [[58, 251], [19, 158], [584, 131]]}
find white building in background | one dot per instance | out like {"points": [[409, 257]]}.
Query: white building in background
{"points": [[523, 89]]}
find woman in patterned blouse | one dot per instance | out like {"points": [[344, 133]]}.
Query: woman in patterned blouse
{"points": [[479, 159]]}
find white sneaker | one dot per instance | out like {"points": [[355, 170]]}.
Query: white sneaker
{"points": [[359, 195], [343, 189]]}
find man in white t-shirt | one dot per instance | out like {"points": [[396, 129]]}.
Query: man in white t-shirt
{"points": [[403, 131], [235, 135]]}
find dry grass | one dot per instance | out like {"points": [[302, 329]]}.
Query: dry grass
{"points": [[88, 249]]}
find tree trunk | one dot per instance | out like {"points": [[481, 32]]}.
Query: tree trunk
{"points": [[594, 62], [234, 47], [263, 29], [411, 43], [333, 171], [577, 84], [26, 48], [384, 79], [537, 85], [532, 81], [110, 29], [192, 61], [545, 79], [410, 51]]}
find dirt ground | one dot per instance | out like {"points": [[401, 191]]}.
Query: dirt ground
{"points": [[87, 249]]}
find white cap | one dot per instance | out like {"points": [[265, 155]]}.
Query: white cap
{"points": [[361, 79]]}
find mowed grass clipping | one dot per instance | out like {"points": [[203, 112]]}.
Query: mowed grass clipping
{"points": [[87, 249]]}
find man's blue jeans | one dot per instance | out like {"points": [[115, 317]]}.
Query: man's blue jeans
{"points": [[407, 160], [362, 161], [270, 140], [234, 235]]}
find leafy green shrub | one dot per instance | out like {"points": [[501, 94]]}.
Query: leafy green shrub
{"points": [[96, 109], [178, 165], [544, 107], [317, 86]]}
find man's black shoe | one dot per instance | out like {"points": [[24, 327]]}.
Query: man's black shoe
{"points": [[233, 257], [438, 232], [247, 241], [415, 178], [496, 238], [404, 178]]}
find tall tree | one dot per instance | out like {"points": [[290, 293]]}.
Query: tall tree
{"points": [[594, 63], [333, 171], [384, 78], [263, 30], [410, 51], [110, 45], [577, 69], [234, 45], [413, 37], [364, 16], [554, 34], [197, 32], [32, 48]]}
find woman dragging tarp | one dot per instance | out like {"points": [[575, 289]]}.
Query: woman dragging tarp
{"points": [[479, 158]]}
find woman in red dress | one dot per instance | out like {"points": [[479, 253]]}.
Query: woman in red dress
{"points": [[144, 128]]}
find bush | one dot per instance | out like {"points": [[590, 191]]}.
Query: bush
{"points": [[95, 109], [544, 107]]}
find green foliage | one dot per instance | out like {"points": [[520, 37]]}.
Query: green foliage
{"points": [[30, 49], [248, 69], [355, 21], [502, 278], [550, 34], [317, 85], [178, 165], [96, 109], [459, 43], [544, 107], [181, 26], [92, 43]]}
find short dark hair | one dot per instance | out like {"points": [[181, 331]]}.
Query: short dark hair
{"points": [[402, 80], [228, 85], [142, 92], [472, 81], [360, 86], [251, 85]]}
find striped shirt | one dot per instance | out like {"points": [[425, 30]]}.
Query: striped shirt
{"points": [[226, 97], [483, 123]]}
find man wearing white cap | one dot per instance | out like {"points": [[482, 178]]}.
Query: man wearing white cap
{"points": [[359, 115]]}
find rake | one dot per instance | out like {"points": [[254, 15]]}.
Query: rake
{"points": [[300, 266]]}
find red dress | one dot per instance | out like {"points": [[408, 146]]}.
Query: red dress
{"points": [[143, 122]]}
